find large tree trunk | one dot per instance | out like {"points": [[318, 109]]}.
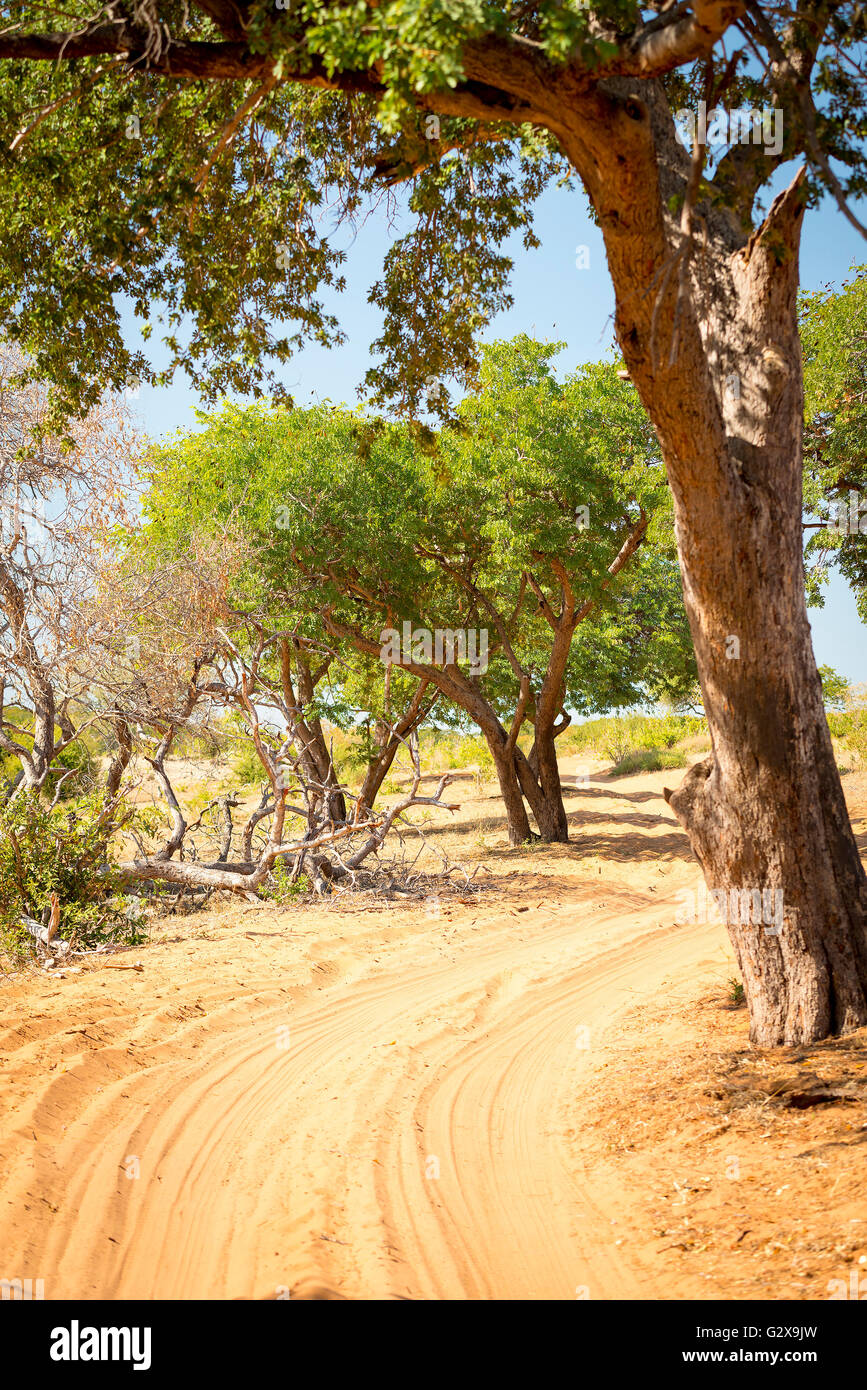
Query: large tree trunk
{"points": [[712, 347], [548, 807], [767, 811], [516, 812], [539, 773], [544, 795], [554, 825]]}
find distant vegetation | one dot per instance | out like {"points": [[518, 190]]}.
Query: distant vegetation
{"points": [[639, 742]]}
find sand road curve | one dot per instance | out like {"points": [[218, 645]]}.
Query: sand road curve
{"points": [[392, 1125]]}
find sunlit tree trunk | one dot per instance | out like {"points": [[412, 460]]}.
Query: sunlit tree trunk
{"points": [[712, 346]]}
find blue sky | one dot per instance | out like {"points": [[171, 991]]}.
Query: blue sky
{"points": [[554, 300]]}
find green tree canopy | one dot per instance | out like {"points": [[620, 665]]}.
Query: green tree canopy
{"points": [[541, 519], [193, 161]]}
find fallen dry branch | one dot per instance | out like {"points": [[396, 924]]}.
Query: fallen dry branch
{"points": [[248, 876], [244, 875]]}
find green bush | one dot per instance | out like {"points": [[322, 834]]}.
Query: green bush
{"points": [[79, 758], [840, 724], [615, 736], [436, 748], [648, 760], [856, 738], [64, 851], [247, 766], [9, 767], [473, 751], [737, 997], [850, 728], [283, 890]]}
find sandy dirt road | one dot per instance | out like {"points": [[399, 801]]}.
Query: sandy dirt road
{"points": [[363, 1107]]}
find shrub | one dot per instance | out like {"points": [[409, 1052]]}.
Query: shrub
{"points": [[247, 766], [63, 851], [671, 730], [284, 890], [9, 767], [850, 729], [473, 750], [437, 748], [737, 997], [618, 741], [79, 759], [840, 724], [613, 737], [856, 737], [648, 760]]}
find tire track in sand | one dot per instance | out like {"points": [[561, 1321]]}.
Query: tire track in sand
{"points": [[265, 1167]]}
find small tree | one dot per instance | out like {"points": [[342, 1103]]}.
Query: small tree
{"points": [[57, 498], [835, 688]]}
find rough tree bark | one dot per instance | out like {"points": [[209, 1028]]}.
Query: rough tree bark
{"points": [[712, 346]]}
